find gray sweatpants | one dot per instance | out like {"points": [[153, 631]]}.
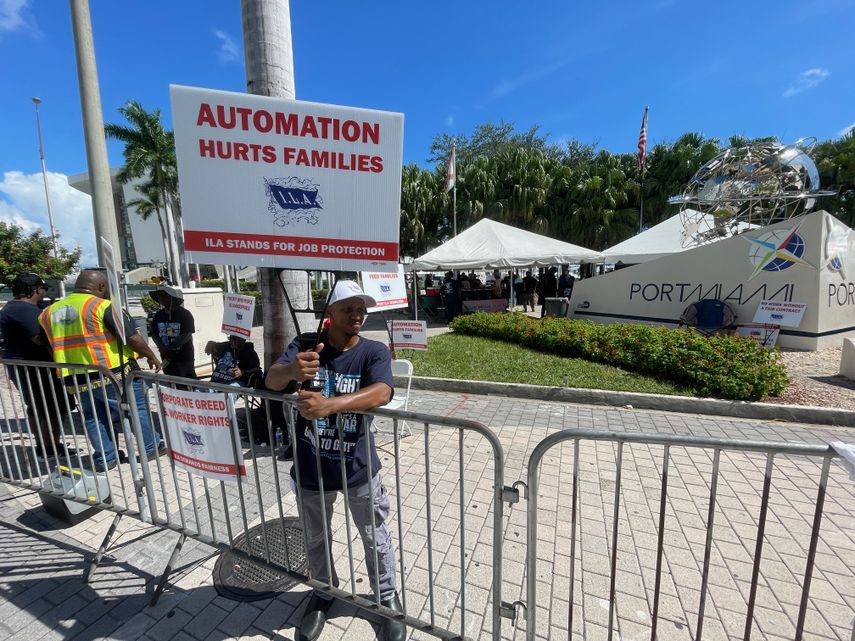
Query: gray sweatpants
{"points": [[361, 505]]}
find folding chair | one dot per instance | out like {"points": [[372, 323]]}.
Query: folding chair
{"points": [[708, 316], [402, 368]]}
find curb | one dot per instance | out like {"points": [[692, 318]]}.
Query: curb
{"points": [[659, 402]]}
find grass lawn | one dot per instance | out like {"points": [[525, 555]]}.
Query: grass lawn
{"points": [[482, 359]]}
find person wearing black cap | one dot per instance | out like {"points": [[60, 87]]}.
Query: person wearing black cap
{"points": [[23, 340], [173, 327], [350, 374]]}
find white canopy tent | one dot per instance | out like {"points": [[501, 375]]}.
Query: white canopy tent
{"points": [[492, 245], [663, 239]]}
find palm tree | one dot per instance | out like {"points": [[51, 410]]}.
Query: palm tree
{"points": [[150, 150], [422, 205]]}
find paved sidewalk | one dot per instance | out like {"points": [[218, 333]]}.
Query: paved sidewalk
{"points": [[44, 597]]}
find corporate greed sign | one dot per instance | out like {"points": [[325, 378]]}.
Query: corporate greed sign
{"points": [[283, 183]]}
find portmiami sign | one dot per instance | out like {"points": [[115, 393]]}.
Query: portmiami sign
{"points": [[285, 183], [803, 265]]}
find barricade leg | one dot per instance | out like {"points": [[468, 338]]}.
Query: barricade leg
{"points": [[161, 584], [87, 576]]}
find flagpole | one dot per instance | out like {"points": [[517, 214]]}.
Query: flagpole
{"points": [[454, 188], [642, 165]]}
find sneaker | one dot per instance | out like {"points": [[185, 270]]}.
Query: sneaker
{"points": [[161, 450], [57, 454], [99, 466]]}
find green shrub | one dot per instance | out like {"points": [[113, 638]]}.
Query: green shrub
{"points": [[718, 366], [149, 304], [246, 286]]}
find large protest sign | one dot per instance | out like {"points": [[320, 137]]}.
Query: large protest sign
{"points": [[285, 183], [389, 289], [200, 433], [237, 314], [113, 286]]}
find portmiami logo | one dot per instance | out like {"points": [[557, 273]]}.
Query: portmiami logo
{"points": [[775, 251], [293, 200]]}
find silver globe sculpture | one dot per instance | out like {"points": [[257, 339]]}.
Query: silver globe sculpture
{"points": [[748, 187]]}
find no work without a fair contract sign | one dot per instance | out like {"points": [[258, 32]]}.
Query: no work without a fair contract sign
{"points": [[284, 183]]}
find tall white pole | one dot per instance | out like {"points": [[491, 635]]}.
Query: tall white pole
{"points": [[269, 60], [454, 188], [37, 102], [103, 210], [227, 274]]}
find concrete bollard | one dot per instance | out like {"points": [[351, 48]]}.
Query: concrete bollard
{"points": [[847, 359]]}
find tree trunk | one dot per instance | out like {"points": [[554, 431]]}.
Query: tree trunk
{"points": [[269, 63]]}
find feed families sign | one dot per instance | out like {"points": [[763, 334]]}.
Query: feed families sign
{"points": [[388, 288], [284, 183]]}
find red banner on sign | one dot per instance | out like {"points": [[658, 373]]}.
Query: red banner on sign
{"points": [[235, 243]]}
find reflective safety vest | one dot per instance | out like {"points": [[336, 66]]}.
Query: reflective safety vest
{"points": [[77, 334]]}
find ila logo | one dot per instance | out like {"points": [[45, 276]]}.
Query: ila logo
{"points": [[293, 200], [193, 440]]}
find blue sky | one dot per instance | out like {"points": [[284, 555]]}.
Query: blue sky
{"points": [[580, 70]]}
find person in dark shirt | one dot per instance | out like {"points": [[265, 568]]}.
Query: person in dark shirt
{"points": [[348, 374], [450, 297], [565, 282], [23, 340], [173, 327], [529, 289], [548, 288], [237, 362]]}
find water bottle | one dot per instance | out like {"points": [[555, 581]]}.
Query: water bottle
{"points": [[278, 439]]}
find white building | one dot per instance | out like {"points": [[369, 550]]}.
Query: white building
{"points": [[141, 242]]}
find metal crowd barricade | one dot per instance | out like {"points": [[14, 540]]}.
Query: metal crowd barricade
{"points": [[45, 443], [430, 499], [217, 512], [717, 446]]}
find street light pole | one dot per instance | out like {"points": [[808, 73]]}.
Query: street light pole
{"points": [[103, 209], [37, 102]]}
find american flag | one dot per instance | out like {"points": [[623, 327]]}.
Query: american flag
{"points": [[451, 176], [642, 142]]}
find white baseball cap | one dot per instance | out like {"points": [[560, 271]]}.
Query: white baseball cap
{"points": [[346, 289]]}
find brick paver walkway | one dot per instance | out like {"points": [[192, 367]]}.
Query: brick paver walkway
{"points": [[44, 597]]}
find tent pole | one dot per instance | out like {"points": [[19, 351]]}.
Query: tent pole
{"points": [[415, 295]]}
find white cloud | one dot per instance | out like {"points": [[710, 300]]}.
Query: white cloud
{"points": [[228, 51], [14, 16], [449, 121], [506, 87], [846, 130], [22, 201], [807, 79]]}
